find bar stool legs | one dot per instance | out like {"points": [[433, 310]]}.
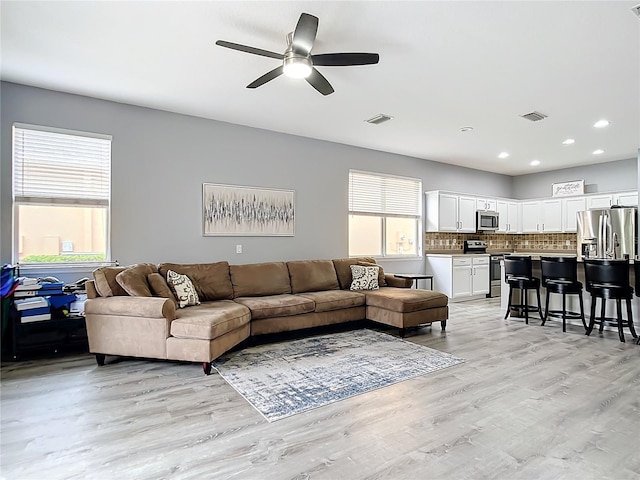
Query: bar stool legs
{"points": [[620, 321], [564, 313], [523, 306]]}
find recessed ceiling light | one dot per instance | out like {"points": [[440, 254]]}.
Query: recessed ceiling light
{"points": [[569, 141], [466, 129], [503, 155], [601, 123], [535, 163], [598, 151]]}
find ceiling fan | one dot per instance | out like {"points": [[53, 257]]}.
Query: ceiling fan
{"points": [[297, 61]]}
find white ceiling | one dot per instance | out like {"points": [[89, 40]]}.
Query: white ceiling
{"points": [[443, 65]]}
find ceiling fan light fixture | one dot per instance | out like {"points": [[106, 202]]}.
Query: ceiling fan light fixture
{"points": [[297, 67]]}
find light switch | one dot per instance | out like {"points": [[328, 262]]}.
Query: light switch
{"points": [[238, 248]]}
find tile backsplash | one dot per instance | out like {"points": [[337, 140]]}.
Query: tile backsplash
{"points": [[502, 242]]}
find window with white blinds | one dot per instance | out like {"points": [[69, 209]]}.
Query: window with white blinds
{"points": [[385, 215], [54, 167], [384, 194], [61, 195]]}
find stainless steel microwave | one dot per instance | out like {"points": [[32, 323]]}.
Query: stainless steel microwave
{"points": [[486, 221]]}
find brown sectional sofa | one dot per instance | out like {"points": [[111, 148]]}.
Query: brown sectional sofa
{"points": [[130, 311]]}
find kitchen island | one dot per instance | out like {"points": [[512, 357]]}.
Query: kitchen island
{"points": [[573, 303]]}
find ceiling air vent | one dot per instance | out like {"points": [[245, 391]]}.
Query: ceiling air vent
{"points": [[534, 116], [378, 119]]}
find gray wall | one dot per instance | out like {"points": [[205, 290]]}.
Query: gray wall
{"points": [[598, 178], [161, 159]]}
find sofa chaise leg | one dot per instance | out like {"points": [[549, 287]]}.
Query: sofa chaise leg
{"points": [[100, 358], [443, 324], [206, 368], [402, 332]]}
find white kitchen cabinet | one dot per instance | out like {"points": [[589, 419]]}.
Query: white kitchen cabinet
{"points": [[599, 201], [460, 276], [542, 216], [480, 283], [570, 207], [626, 199], [486, 204], [448, 212], [508, 220], [530, 217]]}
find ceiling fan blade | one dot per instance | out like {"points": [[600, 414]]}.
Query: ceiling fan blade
{"points": [[321, 84], [344, 59], [267, 77], [305, 34], [247, 49]]}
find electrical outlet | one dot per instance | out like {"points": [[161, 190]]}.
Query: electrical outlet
{"points": [[238, 248]]}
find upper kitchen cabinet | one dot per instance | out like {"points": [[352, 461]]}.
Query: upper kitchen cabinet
{"points": [[542, 216], [628, 199], [625, 199], [447, 212], [509, 217], [486, 204], [599, 201], [570, 207]]}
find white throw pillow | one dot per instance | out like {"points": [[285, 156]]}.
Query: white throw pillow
{"points": [[183, 288], [364, 278]]}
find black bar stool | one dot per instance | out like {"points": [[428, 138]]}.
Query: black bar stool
{"points": [[609, 280], [518, 273], [560, 275]]}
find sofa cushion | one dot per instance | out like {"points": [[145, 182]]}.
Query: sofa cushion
{"points": [[260, 279], [211, 280], [159, 287], [382, 281], [343, 269], [105, 281], [405, 300], [134, 279], [312, 276], [183, 288], [364, 278], [277, 305], [209, 320], [330, 300]]}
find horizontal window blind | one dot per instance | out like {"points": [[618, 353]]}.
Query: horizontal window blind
{"points": [[384, 194], [56, 167]]}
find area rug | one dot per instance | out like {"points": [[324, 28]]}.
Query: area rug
{"points": [[282, 379]]}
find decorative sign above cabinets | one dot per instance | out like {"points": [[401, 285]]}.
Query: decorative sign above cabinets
{"points": [[566, 189]]}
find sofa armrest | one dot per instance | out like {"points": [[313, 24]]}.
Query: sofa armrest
{"points": [[393, 281], [149, 307]]}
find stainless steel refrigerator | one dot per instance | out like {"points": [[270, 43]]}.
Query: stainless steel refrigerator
{"points": [[608, 233]]}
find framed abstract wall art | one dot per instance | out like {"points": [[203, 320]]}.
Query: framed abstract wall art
{"points": [[234, 210]]}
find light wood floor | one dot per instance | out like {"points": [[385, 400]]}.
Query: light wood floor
{"points": [[529, 403]]}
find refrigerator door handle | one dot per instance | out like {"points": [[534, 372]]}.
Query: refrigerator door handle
{"points": [[599, 251], [608, 237]]}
